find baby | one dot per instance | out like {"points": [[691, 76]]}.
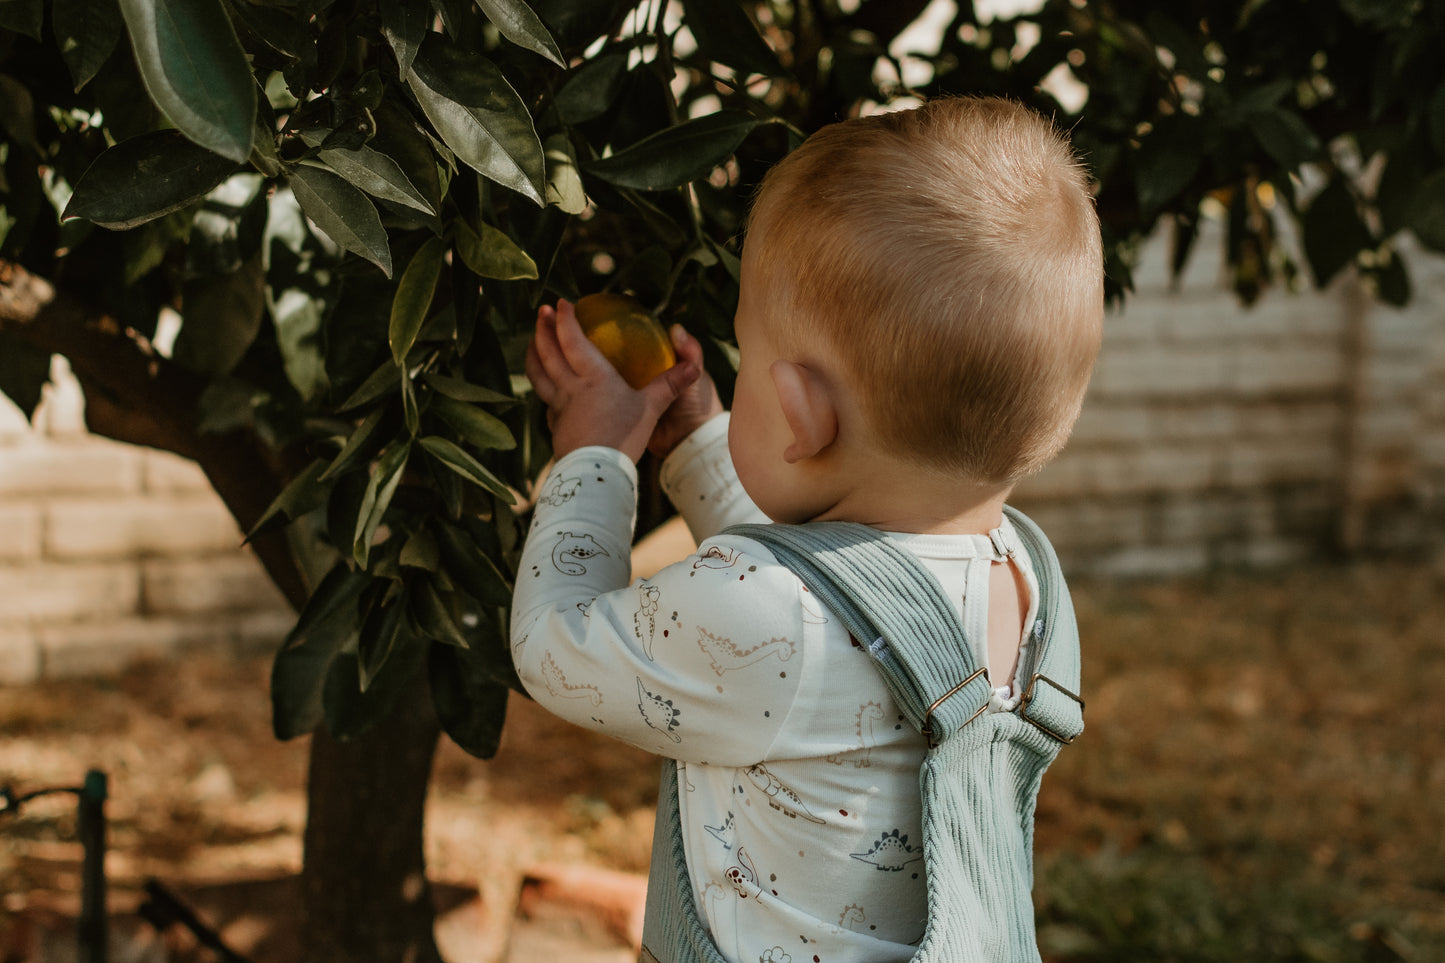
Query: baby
{"points": [[920, 309]]}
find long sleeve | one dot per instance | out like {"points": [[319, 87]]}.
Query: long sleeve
{"points": [[700, 480], [702, 662]]}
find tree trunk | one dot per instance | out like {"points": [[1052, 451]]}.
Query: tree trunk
{"points": [[365, 892]]}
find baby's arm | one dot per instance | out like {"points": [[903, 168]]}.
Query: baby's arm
{"points": [[701, 481], [701, 662]]}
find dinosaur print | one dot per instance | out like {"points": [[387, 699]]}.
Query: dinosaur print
{"points": [[742, 874], [557, 683], [572, 550], [716, 558], [725, 656], [657, 712], [644, 620], [869, 715], [727, 833], [891, 853], [780, 797], [853, 917], [776, 955], [560, 491]]}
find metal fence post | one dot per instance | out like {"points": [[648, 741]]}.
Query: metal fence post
{"points": [[91, 829]]}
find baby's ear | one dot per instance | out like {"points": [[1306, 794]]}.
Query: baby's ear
{"points": [[807, 408]]}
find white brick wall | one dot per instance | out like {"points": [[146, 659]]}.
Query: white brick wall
{"points": [[110, 553], [1219, 436]]}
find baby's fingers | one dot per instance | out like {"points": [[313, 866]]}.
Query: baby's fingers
{"points": [[582, 355], [687, 347], [550, 357], [542, 382]]}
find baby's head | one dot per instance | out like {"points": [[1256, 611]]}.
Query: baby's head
{"points": [[949, 258]]}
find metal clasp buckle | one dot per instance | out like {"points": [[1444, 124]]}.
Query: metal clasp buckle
{"points": [[927, 729], [1029, 697]]}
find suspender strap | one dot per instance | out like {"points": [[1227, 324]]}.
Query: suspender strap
{"points": [[892, 604], [1050, 699], [896, 608]]}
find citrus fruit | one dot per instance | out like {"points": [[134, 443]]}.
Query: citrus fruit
{"points": [[627, 336]]}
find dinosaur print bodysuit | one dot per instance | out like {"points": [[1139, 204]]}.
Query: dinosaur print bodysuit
{"points": [[798, 775]]}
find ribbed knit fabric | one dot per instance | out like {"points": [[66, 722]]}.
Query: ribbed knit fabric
{"points": [[979, 783]]}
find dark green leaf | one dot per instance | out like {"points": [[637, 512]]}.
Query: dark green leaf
{"points": [[17, 113], [454, 457], [279, 29], [342, 213], [326, 625], [564, 180], [1435, 119], [516, 21], [410, 413], [478, 428], [672, 157], [726, 34], [492, 254], [431, 616], [228, 404], [470, 709], [222, 316], [399, 137], [379, 383], [377, 174], [22, 16], [303, 494], [1334, 233], [356, 445], [420, 551], [1284, 136], [591, 88], [1167, 160], [1392, 280], [404, 23], [24, 370], [195, 71], [465, 391], [86, 32], [471, 570], [1185, 45], [412, 304], [374, 503], [384, 627], [478, 115], [146, 177]]}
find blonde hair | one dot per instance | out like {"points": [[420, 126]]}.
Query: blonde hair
{"points": [[951, 257]]}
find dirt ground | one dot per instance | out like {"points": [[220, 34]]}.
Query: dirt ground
{"points": [[1274, 744]]}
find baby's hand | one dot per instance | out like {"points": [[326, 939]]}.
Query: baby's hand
{"points": [[587, 401], [695, 405]]}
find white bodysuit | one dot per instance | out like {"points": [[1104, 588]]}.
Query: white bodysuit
{"points": [[798, 777]]}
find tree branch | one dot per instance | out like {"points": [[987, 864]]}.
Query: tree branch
{"points": [[136, 396]]}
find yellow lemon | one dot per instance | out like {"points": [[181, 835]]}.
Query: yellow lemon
{"points": [[627, 335]]}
